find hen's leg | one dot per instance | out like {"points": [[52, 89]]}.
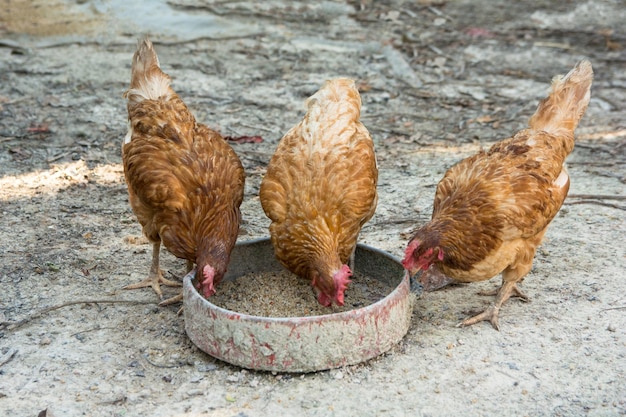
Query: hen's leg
{"points": [[506, 291], [177, 298], [516, 293], [510, 278], [351, 260], [155, 278]]}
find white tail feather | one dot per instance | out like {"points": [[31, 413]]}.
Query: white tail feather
{"points": [[561, 111], [148, 82]]}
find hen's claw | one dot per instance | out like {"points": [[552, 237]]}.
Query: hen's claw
{"points": [[155, 278], [172, 300], [490, 315], [155, 281], [506, 291]]}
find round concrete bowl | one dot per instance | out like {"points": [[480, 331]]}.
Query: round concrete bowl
{"points": [[300, 344]]}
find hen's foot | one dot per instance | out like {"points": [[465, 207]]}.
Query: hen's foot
{"points": [[154, 280], [172, 300], [506, 291], [490, 315]]}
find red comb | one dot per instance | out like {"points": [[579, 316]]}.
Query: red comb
{"points": [[408, 254]]}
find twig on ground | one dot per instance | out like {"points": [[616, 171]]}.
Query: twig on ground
{"points": [[117, 401], [6, 358], [614, 308], [598, 196], [599, 203], [16, 324], [159, 365], [93, 329], [595, 199]]}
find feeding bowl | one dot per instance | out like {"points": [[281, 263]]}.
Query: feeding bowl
{"points": [[300, 344]]}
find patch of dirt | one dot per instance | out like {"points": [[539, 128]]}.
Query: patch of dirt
{"points": [[439, 81], [47, 18]]}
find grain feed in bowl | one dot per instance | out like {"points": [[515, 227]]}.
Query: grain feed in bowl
{"points": [[283, 294]]}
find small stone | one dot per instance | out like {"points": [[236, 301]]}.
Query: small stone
{"points": [[339, 375], [195, 379], [206, 367], [46, 341], [310, 404], [513, 366], [611, 328], [194, 392]]}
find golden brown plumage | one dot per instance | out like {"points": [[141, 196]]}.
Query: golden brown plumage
{"points": [[185, 183], [320, 189], [492, 209]]}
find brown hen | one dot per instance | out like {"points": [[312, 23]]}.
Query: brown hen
{"points": [[320, 189], [185, 183], [492, 209]]}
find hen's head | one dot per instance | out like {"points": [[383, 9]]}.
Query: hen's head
{"points": [[331, 289], [419, 257]]}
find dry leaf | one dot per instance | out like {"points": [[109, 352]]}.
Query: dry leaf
{"points": [[485, 119]]}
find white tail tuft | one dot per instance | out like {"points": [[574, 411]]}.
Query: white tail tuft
{"points": [[147, 81], [567, 102]]}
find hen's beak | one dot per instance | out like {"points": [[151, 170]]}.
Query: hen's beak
{"points": [[416, 286]]}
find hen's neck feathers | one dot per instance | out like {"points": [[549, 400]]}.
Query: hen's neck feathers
{"points": [[213, 252], [331, 113], [463, 244]]}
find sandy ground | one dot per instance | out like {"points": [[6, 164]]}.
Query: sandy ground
{"points": [[439, 80]]}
